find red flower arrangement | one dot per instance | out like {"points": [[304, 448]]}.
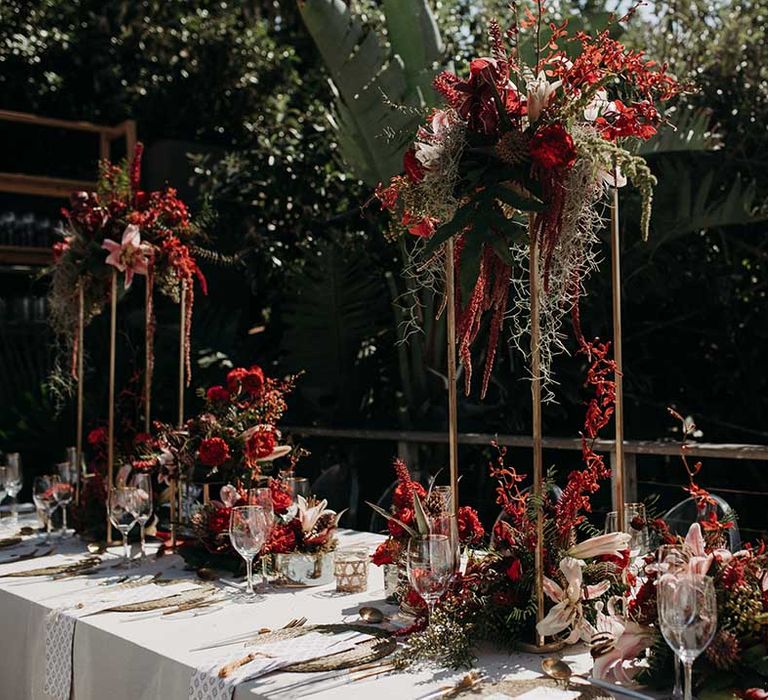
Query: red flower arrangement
{"points": [[123, 227], [235, 435], [518, 148]]}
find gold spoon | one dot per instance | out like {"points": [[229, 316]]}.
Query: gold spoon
{"points": [[557, 669], [96, 547]]}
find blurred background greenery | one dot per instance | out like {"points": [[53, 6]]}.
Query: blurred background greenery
{"points": [[253, 112]]}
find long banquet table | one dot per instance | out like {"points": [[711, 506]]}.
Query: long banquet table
{"points": [[147, 656]]}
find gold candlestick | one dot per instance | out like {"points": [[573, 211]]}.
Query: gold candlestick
{"points": [[618, 467], [453, 402]]}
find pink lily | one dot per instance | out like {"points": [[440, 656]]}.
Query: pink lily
{"points": [[622, 662], [612, 543], [128, 256], [567, 612]]}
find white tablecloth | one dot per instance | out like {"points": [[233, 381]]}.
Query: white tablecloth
{"points": [[119, 656]]}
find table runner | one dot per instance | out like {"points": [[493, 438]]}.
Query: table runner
{"points": [[120, 658]]}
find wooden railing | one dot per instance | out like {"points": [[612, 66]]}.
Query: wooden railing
{"points": [[632, 448]]}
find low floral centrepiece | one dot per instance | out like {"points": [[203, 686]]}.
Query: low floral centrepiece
{"points": [[525, 146]]}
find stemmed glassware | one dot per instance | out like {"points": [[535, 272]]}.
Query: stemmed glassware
{"points": [[43, 489], [13, 482], [3, 482], [687, 617], [672, 560], [142, 482], [248, 533], [430, 563], [262, 496], [123, 506], [64, 491]]}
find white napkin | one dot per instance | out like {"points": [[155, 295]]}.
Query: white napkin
{"points": [[60, 628], [205, 683]]}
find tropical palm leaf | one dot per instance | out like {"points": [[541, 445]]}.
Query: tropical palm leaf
{"points": [[686, 204], [368, 79], [691, 130], [335, 308]]}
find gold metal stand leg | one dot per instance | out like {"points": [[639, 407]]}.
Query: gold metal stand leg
{"points": [[111, 397], [453, 429], [617, 472]]}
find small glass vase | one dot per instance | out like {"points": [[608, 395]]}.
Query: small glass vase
{"points": [[305, 569]]}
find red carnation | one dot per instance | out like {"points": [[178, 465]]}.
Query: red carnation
{"points": [[253, 381], [406, 517], [217, 394], [382, 555], [412, 167], [283, 538], [235, 379], [470, 528], [260, 444], [218, 521], [552, 147], [402, 496], [213, 452], [515, 571]]}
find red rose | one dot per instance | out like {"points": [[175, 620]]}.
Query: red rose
{"points": [[213, 452], [552, 147], [217, 394], [402, 496], [470, 528], [281, 497], [253, 381], [235, 379], [406, 517], [515, 571], [382, 555], [412, 167], [260, 444], [97, 436]]}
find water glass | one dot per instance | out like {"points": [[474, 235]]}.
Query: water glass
{"points": [[64, 491], [634, 514], [262, 496], [442, 497], [430, 565], [43, 489], [298, 486], [123, 507], [350, 567], [248, 533], [687, 617], [14, 480], [142, 482]]}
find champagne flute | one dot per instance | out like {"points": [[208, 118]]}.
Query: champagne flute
{"points": [[247, 532], [63, 492], [42, 495], [142, 482], [687, 617], [445, 524], [430, 565], [14, 482], [262, 496], [122, 513]]}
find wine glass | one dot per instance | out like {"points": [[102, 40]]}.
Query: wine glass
{"points": [[262, 496], [247, 533], [123, 501], [673, 559], [42, 494], [430, 564], [445, 524], [687, 617], [298, 486], [3, 482], [13, 483], [142, 482], [64, 491]]}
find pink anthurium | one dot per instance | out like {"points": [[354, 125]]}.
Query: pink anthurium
{"points": [[128, 256]]}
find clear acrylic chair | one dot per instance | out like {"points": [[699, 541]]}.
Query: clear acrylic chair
{"points": [[684, 514]]}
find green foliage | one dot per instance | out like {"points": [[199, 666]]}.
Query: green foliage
{"points": [[373, 133]]}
